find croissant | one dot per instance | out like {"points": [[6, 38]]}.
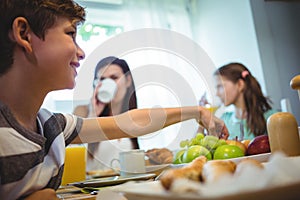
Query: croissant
{"points": [[192, 171], [215, 169]]}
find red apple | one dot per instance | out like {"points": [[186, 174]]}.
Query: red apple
{"points": [[259, 145]]}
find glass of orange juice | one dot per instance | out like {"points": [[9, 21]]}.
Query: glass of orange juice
{"points": [[75, 164], [211, 108]]}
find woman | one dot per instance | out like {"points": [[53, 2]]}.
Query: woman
{"points": [[124, 100], [236, 86]]}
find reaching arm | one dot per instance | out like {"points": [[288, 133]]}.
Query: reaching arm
{"points": [[139, 122]]}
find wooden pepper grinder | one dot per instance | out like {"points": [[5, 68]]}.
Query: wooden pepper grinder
{"points": [[283, 133], [295, 84], [283, 128]]}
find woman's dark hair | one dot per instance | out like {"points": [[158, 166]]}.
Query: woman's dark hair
{"points": [[256, 103], [130, 100]]}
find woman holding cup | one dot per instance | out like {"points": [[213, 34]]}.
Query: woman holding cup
{"points": [[114, 93]]}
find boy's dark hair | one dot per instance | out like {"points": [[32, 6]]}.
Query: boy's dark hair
{"points": [[41, 15]]}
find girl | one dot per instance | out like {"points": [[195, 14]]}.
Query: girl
{"points": [[236, 86]]}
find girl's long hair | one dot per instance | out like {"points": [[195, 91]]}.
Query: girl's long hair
{"points": [[256, 103]]}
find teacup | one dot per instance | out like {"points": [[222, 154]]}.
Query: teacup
{"points": [[107, 90], [131, 162]]}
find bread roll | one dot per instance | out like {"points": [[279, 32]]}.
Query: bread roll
{"points": [[215, 169], [159, 156], [192, 171], [248, 162]]}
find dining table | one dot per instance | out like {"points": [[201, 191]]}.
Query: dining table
{"points": [[74, 193], [97, 180], [89, 188], [286, 184]]}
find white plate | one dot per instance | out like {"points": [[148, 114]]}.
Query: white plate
{"points": [[153, 190], [155, 168], [264, 157], [113, 180]]}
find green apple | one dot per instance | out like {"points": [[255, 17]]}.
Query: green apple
{"points": [[178, 156], [195, 151], [237, 143], [228, 151], [221, 142]]}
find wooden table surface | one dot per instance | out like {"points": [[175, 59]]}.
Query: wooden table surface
{"points": [[74, 193]]}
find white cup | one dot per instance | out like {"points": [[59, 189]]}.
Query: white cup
{"points": [[131, 162], [107, 90]]}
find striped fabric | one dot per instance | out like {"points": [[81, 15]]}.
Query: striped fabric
{"points": [[31, 161]]}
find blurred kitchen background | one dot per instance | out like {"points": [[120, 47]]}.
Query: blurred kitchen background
{"points": [[262, 34]]}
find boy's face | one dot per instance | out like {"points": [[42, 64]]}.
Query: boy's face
{"points": [[58, 55]]}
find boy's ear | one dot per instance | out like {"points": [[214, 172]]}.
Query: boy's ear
{"points": [[21, 33]]}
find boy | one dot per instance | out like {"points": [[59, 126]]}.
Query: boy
{"points": [[39, 54]]}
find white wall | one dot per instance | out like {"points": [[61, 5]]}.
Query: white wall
{"points": [[277, 26], [225, 30]]}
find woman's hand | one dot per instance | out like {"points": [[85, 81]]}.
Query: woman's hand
{"points": [[96, 107], [45, 194], [214, 125]]}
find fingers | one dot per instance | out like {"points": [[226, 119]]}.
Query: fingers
{"points": [[224, 133], [214, 125], [218, 128]]}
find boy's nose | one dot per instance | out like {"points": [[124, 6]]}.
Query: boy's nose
{"points": [[80, 53]]}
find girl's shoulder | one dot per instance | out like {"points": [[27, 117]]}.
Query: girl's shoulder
{"points": [[269, 113], [227, 115]]}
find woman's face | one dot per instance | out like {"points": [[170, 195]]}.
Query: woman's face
{"points": [[227, 91], [115, 72]]}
